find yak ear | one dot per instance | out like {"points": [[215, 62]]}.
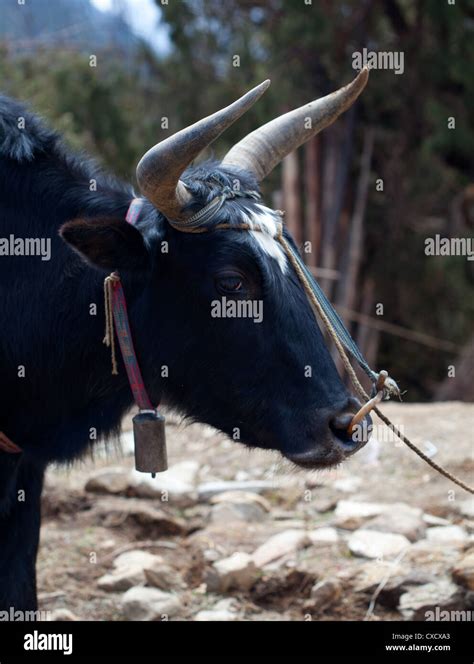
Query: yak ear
{"points": [[107, 242]]}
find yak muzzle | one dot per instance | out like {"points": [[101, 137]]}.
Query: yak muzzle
{"points": [[332, 443]]}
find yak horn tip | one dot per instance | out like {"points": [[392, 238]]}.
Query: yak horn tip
{"points": [[260, 88], [363, 75], [357, 84]]}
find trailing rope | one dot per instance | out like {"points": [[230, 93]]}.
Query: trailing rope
{"points": [[384, 386]]}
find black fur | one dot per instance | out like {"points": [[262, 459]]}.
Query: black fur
{"points": [[234, 374]]}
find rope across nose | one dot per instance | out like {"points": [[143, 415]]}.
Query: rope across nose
{"points": [[363, 411], [371, 403]]}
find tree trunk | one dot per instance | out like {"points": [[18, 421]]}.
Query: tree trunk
{"points": [[291, 196], [312, 194], [337, 155], [327, 258], [461, 386], [347, 285]]}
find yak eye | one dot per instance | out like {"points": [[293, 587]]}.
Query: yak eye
{"points": [[230, 284]]}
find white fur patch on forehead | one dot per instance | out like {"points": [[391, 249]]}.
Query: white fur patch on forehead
{"points": [[266, 220]]}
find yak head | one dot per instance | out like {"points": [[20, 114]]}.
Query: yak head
{"points": [[222, 326]]}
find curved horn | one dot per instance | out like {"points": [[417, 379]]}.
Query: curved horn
{"points": [[264, 148], [160, 169]]}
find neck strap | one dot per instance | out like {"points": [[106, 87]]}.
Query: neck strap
{"points": [[116, 316]]}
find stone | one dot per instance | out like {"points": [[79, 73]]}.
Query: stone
{"points": [[433, 520], [371, 574], [110, 481], [226, 610], [242, 476], [241, 497], [208, 490], [291, 524], [121, 579], [347, 484], [463, 571], [438, 555], [283, 583], [228, 512], [137, 558], [217, 615], [447, 534], [163, 576], [288, 541], [63, 615], [395, 577], [421, 602], [151, 521], [211, 555], [466, 507], [401, 522], [227, 604], [324, 535], [352, 514], [149, 604], [323, 504], [178, 484], [372, 544], [324, 594], [129, 570], [237, 572]]}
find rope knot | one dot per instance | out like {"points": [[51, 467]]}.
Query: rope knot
{"points": [[383, 383]]}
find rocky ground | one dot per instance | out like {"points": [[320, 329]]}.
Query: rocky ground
{"points": [[229, 534]]}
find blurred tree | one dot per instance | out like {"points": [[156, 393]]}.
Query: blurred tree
{"points": [[307, 49], [133, 99], [108, 110]]}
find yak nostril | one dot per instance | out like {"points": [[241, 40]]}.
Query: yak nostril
{"points": [[339, 425], [341, 421]]}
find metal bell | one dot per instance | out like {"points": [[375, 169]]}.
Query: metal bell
{"points": [[150, 442]]}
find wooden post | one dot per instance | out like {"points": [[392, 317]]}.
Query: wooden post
{"points": [[347, 285], [312, 218], [291, 196], [327, 256], [367, 301]]}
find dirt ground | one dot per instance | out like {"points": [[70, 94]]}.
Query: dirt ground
{"points": [[84, 530]]}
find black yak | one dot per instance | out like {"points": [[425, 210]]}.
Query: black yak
{"points": [[267, 377]]}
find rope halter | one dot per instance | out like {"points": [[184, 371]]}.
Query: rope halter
{"points": [[382, 383], [383, 386]]}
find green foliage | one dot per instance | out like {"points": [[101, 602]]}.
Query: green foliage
{"points": [[107, 110]]}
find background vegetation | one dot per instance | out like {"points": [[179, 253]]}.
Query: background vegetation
{"points": [[368, 245]]}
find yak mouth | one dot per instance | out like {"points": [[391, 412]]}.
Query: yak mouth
{"points": [[337, 446], [314, 460], [322, 464]]}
